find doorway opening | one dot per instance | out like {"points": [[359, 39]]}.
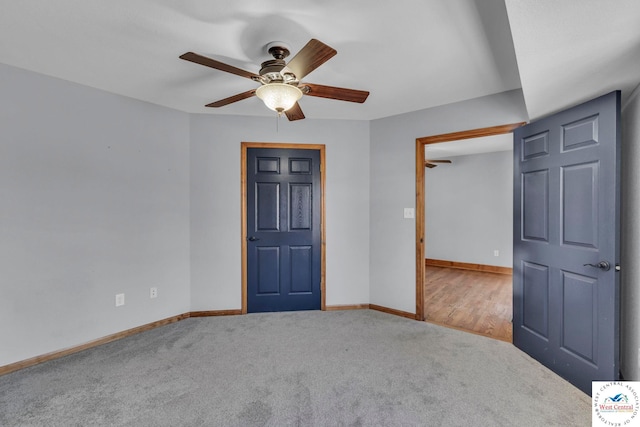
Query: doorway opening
{"points": [[460, 271]]}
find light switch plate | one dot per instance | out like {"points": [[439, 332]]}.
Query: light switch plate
{"points": [[409, 213], [119, 300]]}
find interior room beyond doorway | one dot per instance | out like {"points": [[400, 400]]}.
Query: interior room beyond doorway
{"points": [[467, 232]]}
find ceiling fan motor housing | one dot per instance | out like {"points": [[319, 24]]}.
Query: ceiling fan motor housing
{"points": [[271, 69]]}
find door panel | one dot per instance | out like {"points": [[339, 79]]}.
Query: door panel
{"points": [[300, 206], [580, 205], [268, 272], [566, 215], [267, 206], [283, 229], [301, 268], [579, 327], [535, 201], [535, 316]]}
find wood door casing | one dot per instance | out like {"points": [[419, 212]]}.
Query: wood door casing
{"points": [[420, 198], [243, 208], [283, 227]]}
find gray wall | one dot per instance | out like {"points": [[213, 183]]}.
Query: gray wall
{"points": [[469, 209], [95, 201], [630, 273], [392, 253], [102, 194], [215, 204]]}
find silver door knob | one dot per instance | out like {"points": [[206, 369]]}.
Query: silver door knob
{"points": [[602, 265]]}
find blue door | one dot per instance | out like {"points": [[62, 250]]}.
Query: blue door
{"points": [[283, 229], [566, 241]]}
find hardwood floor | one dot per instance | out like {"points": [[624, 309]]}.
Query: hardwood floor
{"points": [[472, 301]]}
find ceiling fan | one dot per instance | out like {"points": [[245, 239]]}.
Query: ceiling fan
{"points": [[432, 163], [281, 85]]}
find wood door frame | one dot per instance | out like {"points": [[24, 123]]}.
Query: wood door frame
{"points": [[420, 198], [243, 211]]}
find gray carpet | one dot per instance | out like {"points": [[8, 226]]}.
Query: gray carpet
{"points": [[344, 368]]}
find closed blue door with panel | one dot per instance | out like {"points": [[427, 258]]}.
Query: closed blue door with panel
{"points": [[283, 229], [566, 287]]}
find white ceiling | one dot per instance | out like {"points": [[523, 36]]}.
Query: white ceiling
{"points": [[410, 54], [571, 51]]}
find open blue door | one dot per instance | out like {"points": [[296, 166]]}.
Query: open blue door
{"points": [[566, 241], [283, 229]]}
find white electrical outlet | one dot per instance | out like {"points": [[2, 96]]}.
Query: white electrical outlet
{"points": [[119, 300], [496, 253], [153, 292], [409, 213]]}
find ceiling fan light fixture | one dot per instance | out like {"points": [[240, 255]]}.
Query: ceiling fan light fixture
{"points": [[280, 81], [279, 97]]}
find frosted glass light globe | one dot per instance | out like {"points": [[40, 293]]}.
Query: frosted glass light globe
{"points": [[279, 96]]}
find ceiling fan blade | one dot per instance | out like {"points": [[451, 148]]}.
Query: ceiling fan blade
{"points": [[294, 113], [232, 99], [438, 161], [338, 93], [429, 165], [208, 62], [311, 56]]}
